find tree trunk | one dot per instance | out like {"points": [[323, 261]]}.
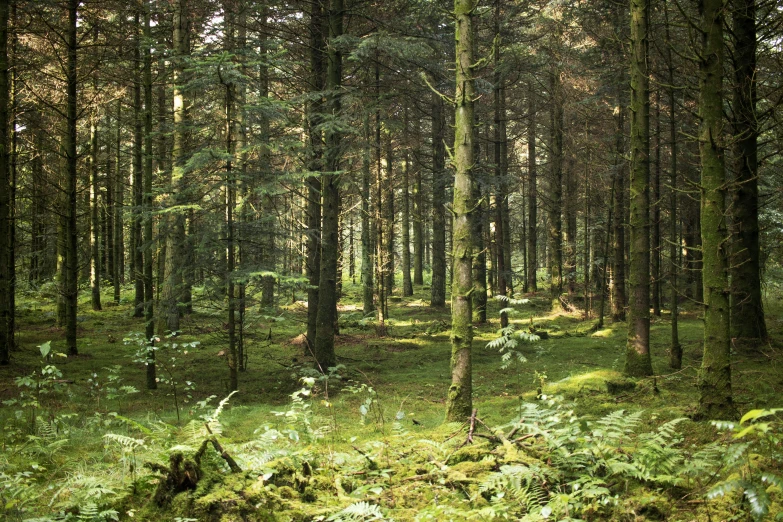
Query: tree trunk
{"points": [[6, 334], [119, 202], [556, 191], [715, 401], [618, 224], [418, 217], [438, 248], [327, 292], [532, 205], [95, 226], [367, 247], [173, 284], [315, 165], [501, 167], [138, 183], [71, 265], [147, 218], [637, 353], [675, 349], [747, 311], [407, 284], [460, 401]]}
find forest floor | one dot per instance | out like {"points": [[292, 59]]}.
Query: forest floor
{"points": [[562, 435]]}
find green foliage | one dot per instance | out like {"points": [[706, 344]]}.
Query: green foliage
{"points": [[752, 464], [170, 357]]}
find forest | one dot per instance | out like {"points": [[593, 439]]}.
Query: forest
{"points": [[412, 260]]}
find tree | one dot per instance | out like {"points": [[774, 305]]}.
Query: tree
{"points": [[330, 190], [747, 311], [637, 357], [460, 400], [6, 334], [715, 401]]}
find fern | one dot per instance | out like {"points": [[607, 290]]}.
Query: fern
{"points": [[358, 512]]}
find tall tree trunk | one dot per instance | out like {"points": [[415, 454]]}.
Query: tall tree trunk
{"points": [[618, 224], [315, 165], [747, 311], [715, 401], [138, 183], [438, 248], [119, 202], [367, 247], [387, 218], [675, 349], [148, 247], [501, 164], [459, 404], [418, 216], [6, 334], [95, 226], [327, 292], [268, 234], [407, 284], [71, 266], [230, 202], [172, 287], [637, 354], [532, 181], [556, 190], [655, 272]]}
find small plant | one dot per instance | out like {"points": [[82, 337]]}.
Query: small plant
{"points": [[109, 386], [33, 388], [753, 463], [169, 359]]}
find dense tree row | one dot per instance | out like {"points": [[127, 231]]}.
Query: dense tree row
{"points": [[231, 155]]}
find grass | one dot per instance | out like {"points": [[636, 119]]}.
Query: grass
{"points": [[408, 371]]}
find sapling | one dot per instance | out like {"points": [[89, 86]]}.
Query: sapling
{"points": [[168, 356]]}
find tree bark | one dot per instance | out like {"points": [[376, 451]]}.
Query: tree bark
{"points": [[327, 292], [556, 191], [747, 310], [532, 205], [71, 258], [460, 401], [637, 353], [715, 401], [6, 334], [315, 165], [438, 248]]}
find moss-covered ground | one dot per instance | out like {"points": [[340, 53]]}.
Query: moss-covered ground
{"points": [[373, 433]]}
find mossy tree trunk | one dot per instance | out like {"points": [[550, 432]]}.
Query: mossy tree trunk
{"points": [[715, 401], [637, 354], [555, 209], [438, 289], [460, 398], [330, 240], [747, 311]]}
